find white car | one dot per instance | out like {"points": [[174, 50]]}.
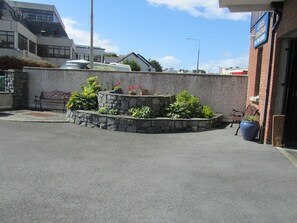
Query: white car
{"points": [[83, 64]]}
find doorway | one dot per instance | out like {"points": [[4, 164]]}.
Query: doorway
{"points": [[290, 105]]}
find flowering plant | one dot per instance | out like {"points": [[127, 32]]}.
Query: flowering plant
{"points": [[133, 89], [117, 87]]}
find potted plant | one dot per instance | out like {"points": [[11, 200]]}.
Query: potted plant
{"points": [[132, 89], [249, 127], [143, 91], [117, 88]]}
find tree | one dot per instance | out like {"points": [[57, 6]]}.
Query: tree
{"points": [[110, 54], [156, 65], [133, 64]]}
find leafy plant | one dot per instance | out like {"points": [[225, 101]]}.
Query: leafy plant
{"points": [[251, 118], [113, 112], [207, 112], [103, 110], [141, 112], [117, 88], [87, 99], [133, 64], [185, 106], [108, 111]]}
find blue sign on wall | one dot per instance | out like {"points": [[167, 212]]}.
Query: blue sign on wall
{"points": [[262, 30]]}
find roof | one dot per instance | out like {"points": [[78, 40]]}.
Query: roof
{"points": [[137, 56], [247, 5]]}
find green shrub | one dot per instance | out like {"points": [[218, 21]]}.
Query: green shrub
{"points": [[207, 112], [185, 106], [9, 62], [87, 99], [113, 112], [103, 110], [108, 111], [133, 64], [142, 112]]}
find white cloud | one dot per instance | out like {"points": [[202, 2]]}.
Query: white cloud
{"points": [[200, 8], [169, 62], [213, 66], [83, 37]]}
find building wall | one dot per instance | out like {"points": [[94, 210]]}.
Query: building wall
{"points": [[252, 70], [288, 25], [287, 29], [222, 93]]}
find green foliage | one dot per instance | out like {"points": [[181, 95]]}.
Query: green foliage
{"points": [[185, 106], [87, 99], [103, 110], [156, 65], [207, 112], [251, 118], [133, 64], [9, 62], [142, 112], [113, 112], [91, 88], [108, 111], [107, 54]]}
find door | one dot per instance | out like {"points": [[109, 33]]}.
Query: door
{"points": [[290, 106]]}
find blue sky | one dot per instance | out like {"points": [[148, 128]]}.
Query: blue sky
{"points": [[157, 29]]}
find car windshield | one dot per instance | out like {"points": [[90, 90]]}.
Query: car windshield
{"points": [[74, 65]]}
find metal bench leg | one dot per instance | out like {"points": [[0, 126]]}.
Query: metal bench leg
{"points": [[237, 130]]}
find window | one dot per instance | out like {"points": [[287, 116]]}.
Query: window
{"points": [[54, 51], [39, 15], [23, 42], [258, 71], [32, 47], [6, 39]]}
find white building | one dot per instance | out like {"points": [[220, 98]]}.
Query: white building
{"points": [[233, 71], [36, 31]]}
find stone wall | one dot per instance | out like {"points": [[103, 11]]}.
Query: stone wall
{"points": [[136, 125], [221, 92], [123, 102]]}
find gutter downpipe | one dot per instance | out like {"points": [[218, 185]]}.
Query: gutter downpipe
{"points": [[278, 14]]}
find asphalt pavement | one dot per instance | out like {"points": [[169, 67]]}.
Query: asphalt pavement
{"points": [[61, 172]]}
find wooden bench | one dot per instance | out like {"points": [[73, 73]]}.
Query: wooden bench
{"points": [[237, 115], [57, 97]]}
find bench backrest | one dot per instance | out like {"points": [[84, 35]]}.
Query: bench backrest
{"points": [[251, 111], [55, 95]]}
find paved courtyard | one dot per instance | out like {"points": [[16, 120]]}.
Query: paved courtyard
{"points": [[60, 172]]}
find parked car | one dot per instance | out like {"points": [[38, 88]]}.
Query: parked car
{"points": [[83, 64]]}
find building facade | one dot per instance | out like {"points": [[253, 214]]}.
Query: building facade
{"points": [[36, 31], [272, 85]]}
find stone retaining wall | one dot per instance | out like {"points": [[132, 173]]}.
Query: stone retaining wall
{"points": [[123, 102], [136, 125]]}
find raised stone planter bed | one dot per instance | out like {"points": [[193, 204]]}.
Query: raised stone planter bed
{"points": [[136, 125], [123, 102]]}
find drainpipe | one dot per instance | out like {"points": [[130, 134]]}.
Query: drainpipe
{"points": [[277, 18]]}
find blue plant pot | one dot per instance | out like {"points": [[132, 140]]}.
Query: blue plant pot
{"points": [[249, 130]]}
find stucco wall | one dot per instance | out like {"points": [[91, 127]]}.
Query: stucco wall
{"points": [[221, 92]]}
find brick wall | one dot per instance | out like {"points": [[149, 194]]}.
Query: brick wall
{"points": [[287, 26], [289, 21]]}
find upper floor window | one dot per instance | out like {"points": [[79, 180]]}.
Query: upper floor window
{"points": [[39, 15], [6, 39], [23, 42]]}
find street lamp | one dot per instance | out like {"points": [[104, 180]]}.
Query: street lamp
{"points": [[198, 54], [91, 40]]}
